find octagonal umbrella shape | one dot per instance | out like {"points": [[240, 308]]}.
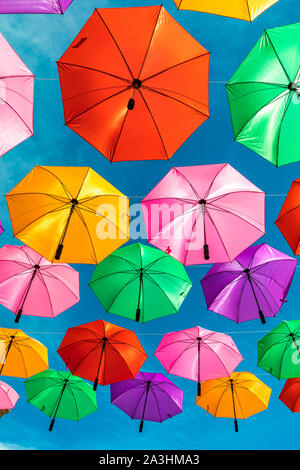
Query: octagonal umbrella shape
{"points": [[264, 96], [134, 83], [288, 220], [34, 6], [16, 99]]}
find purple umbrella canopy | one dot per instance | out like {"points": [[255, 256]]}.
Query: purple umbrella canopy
{"points": [[149, 396], [34, 6], [253, 286]]}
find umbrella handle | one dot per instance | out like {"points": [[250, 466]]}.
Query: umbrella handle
{"points": [[206, 252], [51, 424], [17, 319], [141, 426], [95, 384], [261, 315], [236, 426], [130, 104], [59, 251], [199, 389], [138, 315]]}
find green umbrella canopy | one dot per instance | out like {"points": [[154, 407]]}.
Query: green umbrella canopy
{"points": [[140, 282], [264, 96], [61, 395], [279, 350]]}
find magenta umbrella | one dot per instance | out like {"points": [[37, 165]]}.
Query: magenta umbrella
{"points": [[34, 6], [31, 285], [16, 98], [149, 396], [253, 286], [8, 396], [198, 354], [202, 214]]}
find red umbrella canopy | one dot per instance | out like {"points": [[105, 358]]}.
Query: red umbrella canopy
{"points": [[134, 83], [290, 395], [102, 352]]}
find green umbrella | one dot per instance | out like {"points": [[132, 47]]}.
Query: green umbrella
{"points": [[61, 395], [140, 282], [264, 96], [279, 350]]}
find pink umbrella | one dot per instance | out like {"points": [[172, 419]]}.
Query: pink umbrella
{"points": [[31, 285], [198, 354], [34, 6], [202, 214], [8, 397], [16, 99]]}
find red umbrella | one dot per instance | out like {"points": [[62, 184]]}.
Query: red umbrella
{"points": [[102, 352]]}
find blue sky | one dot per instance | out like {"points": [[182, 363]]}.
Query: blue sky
{"points": [[40, 40]]}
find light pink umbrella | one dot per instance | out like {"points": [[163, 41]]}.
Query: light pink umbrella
{"points": [[8, 397], [16, 98], [31, 285], [198, 354], [204, 214]]}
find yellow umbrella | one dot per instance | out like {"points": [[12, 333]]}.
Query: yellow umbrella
{"points": [[242, 9], [21, 355], [239, 396], [69, 214]]}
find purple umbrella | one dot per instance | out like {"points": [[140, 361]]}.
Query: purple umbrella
{"points": [[34, 6], [149, 396], [253, 286]]}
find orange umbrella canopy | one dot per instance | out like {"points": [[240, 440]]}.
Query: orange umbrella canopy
{"points": [[239, 396], [69, 214], [21, 355], [134, 83], [246, 10]]}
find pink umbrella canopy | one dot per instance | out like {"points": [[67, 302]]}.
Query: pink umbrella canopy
{"points": [[8, 397], [204, 214], [31, 285], [34, 6], [198, 354], [16, 99]]}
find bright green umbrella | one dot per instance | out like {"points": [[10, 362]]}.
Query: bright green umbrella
{"points": [[264, 96], [61, 395], [279, 350], [141, 283]]}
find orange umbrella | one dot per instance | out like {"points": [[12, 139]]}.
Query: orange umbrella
{"points": [[21, 355], [134, 83]]}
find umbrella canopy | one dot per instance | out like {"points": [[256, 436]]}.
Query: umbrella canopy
{"points": [[290, 395], [246, 10], [239, 396], [204, 214], [16, 99], [198, 354], [61, 395], [31, 285], [68, 214], [1, 228], [279, 351], [253, 286], [140, 283], [8, 397], [134, 83], [21, 355], [149, 397], [264, 95], [288, 220], [34, 6], [102, 352]]}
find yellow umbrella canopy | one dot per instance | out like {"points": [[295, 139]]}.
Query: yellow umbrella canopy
{"points": [[239, 396], [21, 355], [69, 214], [246, 10]]}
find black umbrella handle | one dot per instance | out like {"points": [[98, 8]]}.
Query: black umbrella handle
{"points": [[17, 319], [141, 425], [261, 316], [206, 252], [199, 389], [51, 424], [59, 251], [236, 426]]}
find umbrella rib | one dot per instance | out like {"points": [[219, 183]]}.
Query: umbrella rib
{"points": [[156, 126], [150, 41], [226, 389], [213, 180], [177, 93], [269, 277], [156, 401], [256, 281], [281, 124], [121, 129], [165, 293], [176, 65], [115, 42], [48, 295], [240, 300], [63, 200], [250, 222], [16, 345], [21, 119], [60, 7], [193, 227], [274, 85], [212, 221], [171, 221], [239, 402], [135, 266], [69, 387], [94, 70], [122, 358], [78, 211], [218, 198], [125, 285], [16, 93], [138, 402], [190, 346], [97, 104], [69, 195], [189, 183], [164, 273], [64, 283], [82, 184], [278, 58]]}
